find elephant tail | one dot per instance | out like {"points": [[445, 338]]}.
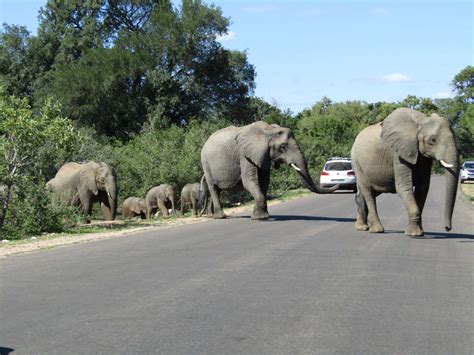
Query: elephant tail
{"points": [[202, 203], [361, 204]]}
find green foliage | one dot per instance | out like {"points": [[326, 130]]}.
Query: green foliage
{"points": [[463, 84], [32, 213]]}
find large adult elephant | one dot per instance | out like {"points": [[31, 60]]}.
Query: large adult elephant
{"points": [[158, 197], [82, 184], [236, 157], [396, 156]]}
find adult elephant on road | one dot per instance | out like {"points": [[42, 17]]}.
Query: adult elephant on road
{"points": [[396, 156], [157, 198], [236, 157], [82, 184]]}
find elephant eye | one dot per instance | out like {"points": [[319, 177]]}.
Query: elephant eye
{"points": [[432, 140], [283, 147]]}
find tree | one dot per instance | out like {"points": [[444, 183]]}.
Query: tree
{"points": [[16, 75], [463, 84], [25, 139]]}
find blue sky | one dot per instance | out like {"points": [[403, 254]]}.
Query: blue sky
{"points": [[346, 50]]}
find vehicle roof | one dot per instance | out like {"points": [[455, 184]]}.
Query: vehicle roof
{"points": [[335, 159]]}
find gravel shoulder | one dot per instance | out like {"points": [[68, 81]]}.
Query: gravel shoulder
{"points": [[54, 240]]}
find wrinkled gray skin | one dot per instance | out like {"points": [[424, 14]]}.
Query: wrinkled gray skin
{"points": [[157, 198], [241, 157], [396, 156], [190, 196], [82, 184], [134, 206]]}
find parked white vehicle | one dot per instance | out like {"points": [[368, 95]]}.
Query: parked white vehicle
{"points": [[338, 170], [467, 171]]}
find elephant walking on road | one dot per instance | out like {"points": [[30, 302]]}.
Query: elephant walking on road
{"points": [[134, 206], [82, 184], [157, 198], [241, 157], [396, 156]]}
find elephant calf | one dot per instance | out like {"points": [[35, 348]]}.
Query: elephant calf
{"points": [[157, 198], [190, 196], [134, 206]]}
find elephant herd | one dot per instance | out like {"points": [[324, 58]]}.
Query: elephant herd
{"points": [[394, 156]]}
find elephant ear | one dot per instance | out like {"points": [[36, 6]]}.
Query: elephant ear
{"points": [[88, 179], [399, 132], [253, 144]]}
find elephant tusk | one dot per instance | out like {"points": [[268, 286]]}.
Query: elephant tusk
{"points": [[295, 167], [446, 165]]}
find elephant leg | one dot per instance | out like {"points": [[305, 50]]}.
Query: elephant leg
{"points": [[86, 204], [183, 203], [361, 222], [251, 180], [106, 211], [194, 206], [162, 207], [404, 187], [373, 220]]}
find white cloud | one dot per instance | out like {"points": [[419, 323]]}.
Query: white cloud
{"points": [[395, 77], [229, 36], [443, 95]]}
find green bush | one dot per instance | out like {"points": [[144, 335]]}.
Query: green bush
{"points": [[32, 213]]}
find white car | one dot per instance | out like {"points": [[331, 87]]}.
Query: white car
{"points": [[339, 170], [467, 171]]}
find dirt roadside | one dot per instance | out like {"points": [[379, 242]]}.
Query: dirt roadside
{"points": [[56, 240]]}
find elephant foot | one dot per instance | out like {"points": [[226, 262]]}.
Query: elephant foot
{"points": [[376, 229], [361, 226], [260, 215], [219, 215], [414, 231]]}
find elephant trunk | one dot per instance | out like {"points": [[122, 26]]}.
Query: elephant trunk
{"points": [[451, 164], [112, 197], [298, 162]]}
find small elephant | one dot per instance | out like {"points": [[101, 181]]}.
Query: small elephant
{"points": [[82, 184], [396, 156], [157, 198], [134, 206], [190, 195], [241, 157]]}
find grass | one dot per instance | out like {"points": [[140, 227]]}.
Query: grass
{"points": [[468, 190], [100, 226]]}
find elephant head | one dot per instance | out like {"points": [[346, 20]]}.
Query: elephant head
{"points": [[262, 143], [411, 133], [100, 179], [166, 193], [140, 207]]}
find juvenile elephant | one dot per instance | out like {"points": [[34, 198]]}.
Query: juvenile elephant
{"points": [[241, 157], [396, 156], [157, 198], [134, 206], [82, 184], [190, 195]]}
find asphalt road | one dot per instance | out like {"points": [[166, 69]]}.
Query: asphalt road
{"points": [[304, 282]]}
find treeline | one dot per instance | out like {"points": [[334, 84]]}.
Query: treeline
{"points": [[141, 85]]}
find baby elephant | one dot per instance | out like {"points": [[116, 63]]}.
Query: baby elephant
{"points": [[157, 198], [190, 196], [134, 206]]}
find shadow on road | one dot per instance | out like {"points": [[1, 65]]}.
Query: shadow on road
{"points": [[6, 351], [282, 218], [437, 235]]}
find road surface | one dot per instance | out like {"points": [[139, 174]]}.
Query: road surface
{"points": [[304, 282]]}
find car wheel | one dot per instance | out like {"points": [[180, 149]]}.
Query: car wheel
{"points": [[462, 181]]}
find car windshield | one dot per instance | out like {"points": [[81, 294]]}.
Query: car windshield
{"points": [[469, 166], [338, 166]]}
